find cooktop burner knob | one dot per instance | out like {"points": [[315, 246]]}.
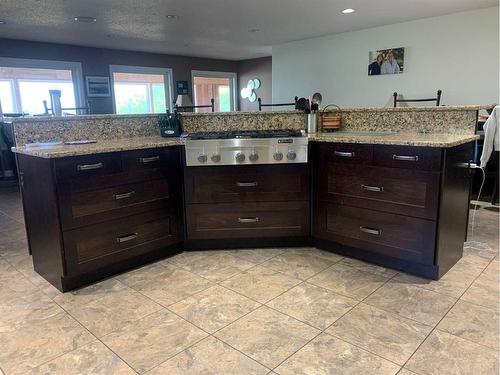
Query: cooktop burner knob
{"points": [[202, 158], [292, 155], [240, 157], [215, 158], [253, 157], [278, 156]]}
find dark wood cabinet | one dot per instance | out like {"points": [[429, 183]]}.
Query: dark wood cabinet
{"points": [[398, 236], [404, 207], [268, 203], [254, 183], [248, 220], [92, 216], [400, 191], [95, 246], [89, 217]]}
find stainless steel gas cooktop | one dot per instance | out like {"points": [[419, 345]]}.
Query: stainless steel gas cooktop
{"points": [[246, 147]]}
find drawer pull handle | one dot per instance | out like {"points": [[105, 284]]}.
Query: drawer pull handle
{"points": [[405, 157], [123, 195], [375, 232], [128, 237], [378, 189], [89, 167], [247, 184], [248, 219], [149, 160], [344, 154]]}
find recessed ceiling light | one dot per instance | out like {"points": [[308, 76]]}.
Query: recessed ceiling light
{"points": [[172, 16], [85, 19], [2, 22], [348, 11], [253, 30]]}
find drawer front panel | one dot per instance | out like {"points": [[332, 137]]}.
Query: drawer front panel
{"points": [[99, 245], [246, 183], [349, 153], [247, 220], [392, 235], [407, 157], [89, 206], [87, 166], [413, 193], [150, 158]]}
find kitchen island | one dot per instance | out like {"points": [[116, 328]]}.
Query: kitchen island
{"points": [[393, 197]]}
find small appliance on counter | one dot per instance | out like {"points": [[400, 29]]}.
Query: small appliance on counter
{"points": [[170, 125]]}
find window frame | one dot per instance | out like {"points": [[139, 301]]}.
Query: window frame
{"points": [[232, 76], [167, 80], [15, 104], [73, 66]]}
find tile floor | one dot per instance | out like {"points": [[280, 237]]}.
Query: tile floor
{"points": [[258, 311]]}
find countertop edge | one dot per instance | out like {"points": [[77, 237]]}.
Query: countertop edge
{"points": [[51, 153], [54, 154], [391, 142]]}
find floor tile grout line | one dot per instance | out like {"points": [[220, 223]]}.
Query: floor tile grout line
{"points": [[12, 217], [324, 331], [208, 334], [318, 286], [100, 338], [176, 354], [444, 316], [190, 346], [81, 347], [390, 312], [215, 252]]}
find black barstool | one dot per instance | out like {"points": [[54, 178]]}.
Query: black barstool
{"points": [[437, 99]]}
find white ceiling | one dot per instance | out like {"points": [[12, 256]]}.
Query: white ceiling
{"points": [[209, 28]]}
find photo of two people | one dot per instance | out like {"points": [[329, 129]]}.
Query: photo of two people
{"points": [[386, 61]]}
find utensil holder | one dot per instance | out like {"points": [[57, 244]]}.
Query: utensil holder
{"points": [[312, 123]]}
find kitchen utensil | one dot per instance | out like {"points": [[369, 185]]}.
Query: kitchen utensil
{"points": [[317, 98]]}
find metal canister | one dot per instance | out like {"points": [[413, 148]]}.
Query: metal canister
{"points": [[55, 102], [312, 122]]}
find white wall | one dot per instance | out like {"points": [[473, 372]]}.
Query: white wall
{"points": [[458, 53]]}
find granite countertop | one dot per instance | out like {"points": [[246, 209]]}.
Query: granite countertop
{"points": [[442, 140], [137, 143], [101, 146]]}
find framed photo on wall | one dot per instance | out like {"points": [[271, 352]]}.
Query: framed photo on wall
{"points": [[97, 86], [386, 61]]}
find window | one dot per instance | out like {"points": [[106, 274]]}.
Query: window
{"points": [[141, 90], [25, 84], [220, 86]]}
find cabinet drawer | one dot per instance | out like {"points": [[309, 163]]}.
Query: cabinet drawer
{"points": [[91, 247], [408, 192], [90, 206], [246, 183], [87, 166], [247, 220], [397, 236], [149, 158], [407, 157], [347, 153]]}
